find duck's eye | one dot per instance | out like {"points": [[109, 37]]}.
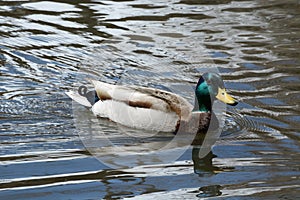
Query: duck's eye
{"points": [[223, 93]]}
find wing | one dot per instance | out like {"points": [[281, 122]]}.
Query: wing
{"points": [[143, 97]]}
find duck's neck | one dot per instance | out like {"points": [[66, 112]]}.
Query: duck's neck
{"points": [[204, 104]]}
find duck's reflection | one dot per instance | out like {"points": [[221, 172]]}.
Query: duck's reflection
{"points": [[203, 164], [203, 141], [202, 157], [208, 191]]}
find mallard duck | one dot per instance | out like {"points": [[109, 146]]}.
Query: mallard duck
{"points": [[150, 108]]}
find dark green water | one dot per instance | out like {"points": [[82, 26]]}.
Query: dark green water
{"points": [[47, 47]]}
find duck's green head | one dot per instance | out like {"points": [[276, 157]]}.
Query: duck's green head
{"points": [[209, 88]]}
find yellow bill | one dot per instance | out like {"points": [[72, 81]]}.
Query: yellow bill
{"points": [[225, 97]]}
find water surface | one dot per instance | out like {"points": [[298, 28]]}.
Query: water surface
{"points": [[48, 47]]}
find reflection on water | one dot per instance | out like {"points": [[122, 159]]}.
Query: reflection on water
{"points": [[48, 47]]}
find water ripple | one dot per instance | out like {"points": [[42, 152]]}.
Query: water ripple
{"points": [[49, 47]]}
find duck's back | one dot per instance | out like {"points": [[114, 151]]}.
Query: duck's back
{"points": [[139, 107]]}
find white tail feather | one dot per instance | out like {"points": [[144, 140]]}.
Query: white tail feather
{"points": [[79, 99]]}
